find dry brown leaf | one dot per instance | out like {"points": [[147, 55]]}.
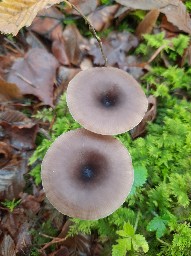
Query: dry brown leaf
{"points": [[101, 18], [150, 116], [168, 27], [178, 16], [9, 91], [34, 41], [16, 14], [67, 48], [20, 130], [48, 23], [17, 225], [35, 74], [147, 24], [147, 4], [115, 47], [7, 246], [174, 10], [59, 51], [11, 177], [5, 153]]}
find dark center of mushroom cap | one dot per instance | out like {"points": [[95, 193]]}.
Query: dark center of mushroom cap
{"points": [[87, 172], [110, 98], [92, 169]]}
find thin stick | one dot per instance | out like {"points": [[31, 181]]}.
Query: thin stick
{"points": [[92, 29], [163, 242], [136, 221], [156, 53], [55, 240]]}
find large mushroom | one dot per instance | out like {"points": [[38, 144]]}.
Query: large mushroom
{"points": [[106, 100], [86, 175]]}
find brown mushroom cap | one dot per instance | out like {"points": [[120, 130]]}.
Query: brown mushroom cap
{"points": [[106, 100], [85, 175]]}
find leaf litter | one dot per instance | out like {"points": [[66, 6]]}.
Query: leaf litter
{"points": [[39, 78]]}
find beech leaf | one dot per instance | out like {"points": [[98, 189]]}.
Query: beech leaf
{"points": [[35, 74], [147, 4], [16, 14], [178, 16]]}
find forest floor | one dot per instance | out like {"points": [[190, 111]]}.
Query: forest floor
{"points": [[36, 65]]}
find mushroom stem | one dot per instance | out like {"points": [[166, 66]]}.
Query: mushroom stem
{"points": [[92, 29]]}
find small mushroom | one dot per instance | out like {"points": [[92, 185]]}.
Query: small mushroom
{"points": [[86, 175], [106, 100]]}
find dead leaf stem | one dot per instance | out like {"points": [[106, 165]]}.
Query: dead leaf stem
{"points": [[92, 30]]}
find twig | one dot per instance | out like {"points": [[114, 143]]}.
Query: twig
{"points": [[156, 53], [92, 29], [55, 240]]}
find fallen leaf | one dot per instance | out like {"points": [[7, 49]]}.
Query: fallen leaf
{"points": [[14, 15], [115, 47], [165, 24], [121, 14], [31, 203], [85, 6], [101, 18], [175, 10], [23, 238], [147, 4], [63, 78], [150, 116], [18, 226], [59, 51], [178, 16], [7, 246], [147, 24], [20, 130], [34, 41], [131, 66], [5, 153], [6, 62], [48, 23], [35, 74], [11, 176], [9, 91], [67, 48]]}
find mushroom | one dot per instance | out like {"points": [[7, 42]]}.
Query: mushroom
{"points": [[86, 175], [106, 100]]}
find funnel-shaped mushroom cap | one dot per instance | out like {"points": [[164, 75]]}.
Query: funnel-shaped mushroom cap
{"points": [[106, 100], [85, 175]]}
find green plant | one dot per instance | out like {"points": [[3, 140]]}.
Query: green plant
{"points": [[11, 204], [129, 241], [173, 47]]}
